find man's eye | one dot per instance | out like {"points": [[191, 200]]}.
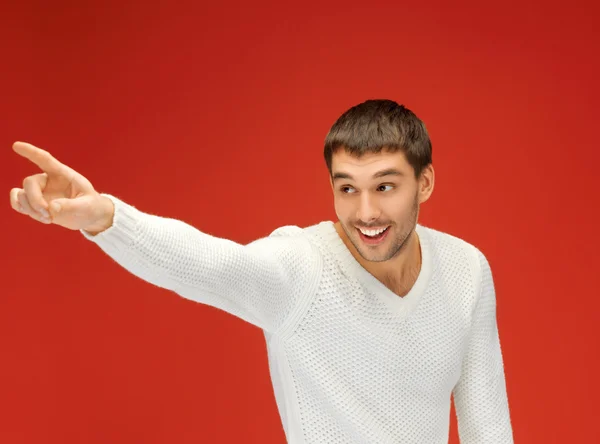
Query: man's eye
{"points": [[349, 190]]}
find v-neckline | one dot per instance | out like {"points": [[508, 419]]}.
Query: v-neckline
{"points": [[400, 306]]}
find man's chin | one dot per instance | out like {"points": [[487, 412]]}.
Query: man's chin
{"points": [[373, 257]]}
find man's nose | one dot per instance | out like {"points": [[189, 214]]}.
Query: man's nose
{"points": [[368, 209]]}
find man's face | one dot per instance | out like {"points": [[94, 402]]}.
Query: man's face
{"points": [[374, 192]]}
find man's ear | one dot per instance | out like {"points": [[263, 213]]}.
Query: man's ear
{"points": [[426, 183]]}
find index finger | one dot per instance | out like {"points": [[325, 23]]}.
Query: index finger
{"points": [[40, 157]]}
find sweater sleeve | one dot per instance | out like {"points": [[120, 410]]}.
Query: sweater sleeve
{"points": [[261, 282], [480, 396]]}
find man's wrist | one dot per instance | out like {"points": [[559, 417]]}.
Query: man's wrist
{"points": [[107, 217]]}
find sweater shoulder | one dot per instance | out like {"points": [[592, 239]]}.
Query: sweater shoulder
{"points": [[294, 248], [288, 230], [459, 266], [452, 247], [307, 235]]}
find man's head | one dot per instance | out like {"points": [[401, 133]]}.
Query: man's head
{"points": [[379, 158]]}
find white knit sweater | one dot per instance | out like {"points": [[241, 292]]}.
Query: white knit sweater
{"points": [[350, 361]]}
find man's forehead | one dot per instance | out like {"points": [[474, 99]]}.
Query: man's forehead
{"points": [[368, 161]]}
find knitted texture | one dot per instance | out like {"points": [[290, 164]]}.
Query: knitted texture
{"points": [[350, 361]]}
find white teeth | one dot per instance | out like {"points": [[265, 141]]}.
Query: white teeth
{"points": [[372, 232]]}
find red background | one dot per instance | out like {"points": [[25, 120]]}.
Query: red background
{"points": [[216, 114]]}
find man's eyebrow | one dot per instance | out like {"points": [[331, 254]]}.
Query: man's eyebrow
{"points": [[386, 172]]}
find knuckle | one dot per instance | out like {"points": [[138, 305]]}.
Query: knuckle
{"points": [[33, 191], [14, 201], [35, 217], [22, 199], [30, 183]]}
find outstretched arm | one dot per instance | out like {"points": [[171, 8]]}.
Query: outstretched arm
{"points": [[480, 396], [262, 282]]}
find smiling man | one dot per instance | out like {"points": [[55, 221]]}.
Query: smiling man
{"points": [[372, 323], [378, 207]]}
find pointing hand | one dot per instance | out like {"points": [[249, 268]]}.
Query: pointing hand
{"points": [[60, 195]]}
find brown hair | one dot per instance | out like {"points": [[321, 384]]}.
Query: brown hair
{"points": [[375, 125]]}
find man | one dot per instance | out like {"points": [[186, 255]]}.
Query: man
{"points": [[372, 323]]}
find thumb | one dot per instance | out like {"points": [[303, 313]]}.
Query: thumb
{"points": [[66, 206], [58, 205], [73, 213]]}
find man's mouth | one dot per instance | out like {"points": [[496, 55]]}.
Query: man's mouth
{"points": [[373, 236]]}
